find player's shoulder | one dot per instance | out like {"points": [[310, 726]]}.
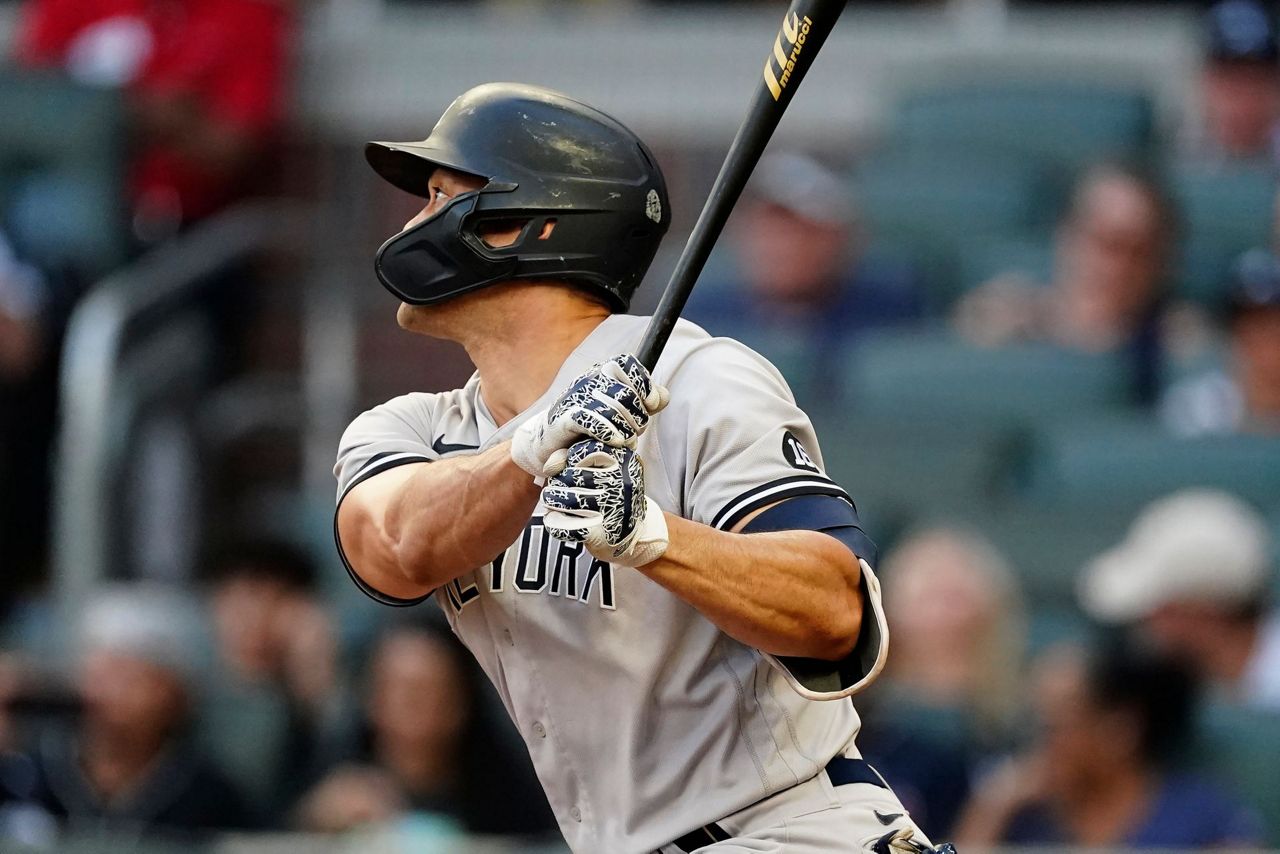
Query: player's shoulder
{"points": [[695, 357], [420, 414]]}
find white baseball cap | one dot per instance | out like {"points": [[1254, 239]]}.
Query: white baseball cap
{"points": [[1201, 545], [146, 621], [805, 186]]}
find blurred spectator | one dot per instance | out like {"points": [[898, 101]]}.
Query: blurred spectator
{"points": [[959, 628], [1194, 572], [430, 747], [276, 705], [205, 80], [1101, 769], [800, 273], [1245, 397], [1112, 261], [950, 694], [1239, 85], [130, 769]]}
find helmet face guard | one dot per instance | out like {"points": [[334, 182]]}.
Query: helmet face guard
{"points": [[548, 159], [434, 260]]}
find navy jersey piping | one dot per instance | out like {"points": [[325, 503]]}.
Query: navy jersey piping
{"points": [[368, 472]]}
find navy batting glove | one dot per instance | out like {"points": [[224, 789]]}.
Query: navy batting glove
{"points": [[599, 500], [611, 403]]}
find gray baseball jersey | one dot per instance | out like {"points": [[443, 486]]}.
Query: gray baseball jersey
{"points": [[643, 719]]}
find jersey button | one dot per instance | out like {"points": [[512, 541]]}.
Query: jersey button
{"points": [[507, 634], [539, 729], [576, 814]]}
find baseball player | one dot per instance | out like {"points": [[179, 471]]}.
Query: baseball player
{"points": [[675, 608]]}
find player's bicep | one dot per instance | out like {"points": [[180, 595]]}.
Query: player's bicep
{"points": [[363, 541], [378, 454]]}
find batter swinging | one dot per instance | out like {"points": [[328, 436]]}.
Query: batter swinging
{"points": [[675, 607]]}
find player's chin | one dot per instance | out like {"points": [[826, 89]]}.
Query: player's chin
{"points": [[415, 318]]}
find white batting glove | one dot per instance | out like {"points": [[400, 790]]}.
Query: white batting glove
{"points": [[598, 500], [611, 403]]}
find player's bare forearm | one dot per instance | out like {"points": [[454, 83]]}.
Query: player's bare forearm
{"points": [[415, 527], [793, 593]]}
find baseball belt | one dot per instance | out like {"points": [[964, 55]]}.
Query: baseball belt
{"points": [[841, 770]]}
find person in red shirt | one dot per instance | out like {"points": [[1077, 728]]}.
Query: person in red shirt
{"points": [[205, 82]]}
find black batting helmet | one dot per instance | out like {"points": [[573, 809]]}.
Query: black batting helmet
{"points": [[546, 157]]}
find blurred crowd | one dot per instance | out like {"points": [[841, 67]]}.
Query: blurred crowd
{"points": [[1112, 737], [175, 715], [1098, 667]]}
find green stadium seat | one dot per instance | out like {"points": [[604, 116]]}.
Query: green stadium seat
{"points": [[1068, 124], [1224, 212], [1056, 625], [1240, 748], [926, 210], [932, 375], [62, 156], [997, 255], [1047, 545], [896, 469], [1128, 462]]}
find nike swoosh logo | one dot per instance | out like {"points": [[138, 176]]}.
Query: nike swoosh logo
{"points": [[888, 819], [441, 447]]}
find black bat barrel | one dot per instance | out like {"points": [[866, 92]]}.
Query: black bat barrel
{"points": [[804, 28]]}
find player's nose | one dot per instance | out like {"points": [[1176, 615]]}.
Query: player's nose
{"points": [[421, 216]]}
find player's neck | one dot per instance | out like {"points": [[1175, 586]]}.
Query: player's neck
{"points": [[519, 346]]}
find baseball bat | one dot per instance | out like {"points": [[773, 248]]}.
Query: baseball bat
{"points": [[804, 28]]}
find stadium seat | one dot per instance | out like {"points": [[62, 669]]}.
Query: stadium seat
{"points": [[926, 210], [1050, 626], [1224, 212], [995, 255], [933, 376], [1047, 544], [62, 162], [1067, 124], [896, 469], [1239, 747], [1130, 461]]}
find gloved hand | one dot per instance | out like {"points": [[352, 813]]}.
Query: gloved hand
{"points": [[611, 403], [599, 500]]}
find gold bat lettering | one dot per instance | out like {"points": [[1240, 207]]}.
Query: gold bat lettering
{"points": [[794, 31]]}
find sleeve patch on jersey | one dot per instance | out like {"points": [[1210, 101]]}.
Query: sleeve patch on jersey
{"points": [[795, 454], [770, 493]]}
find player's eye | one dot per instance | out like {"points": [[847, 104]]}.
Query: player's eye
{"points": [[439, 195]]}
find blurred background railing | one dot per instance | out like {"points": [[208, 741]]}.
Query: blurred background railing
{"points": [[137, 343], [1017, 259]]}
